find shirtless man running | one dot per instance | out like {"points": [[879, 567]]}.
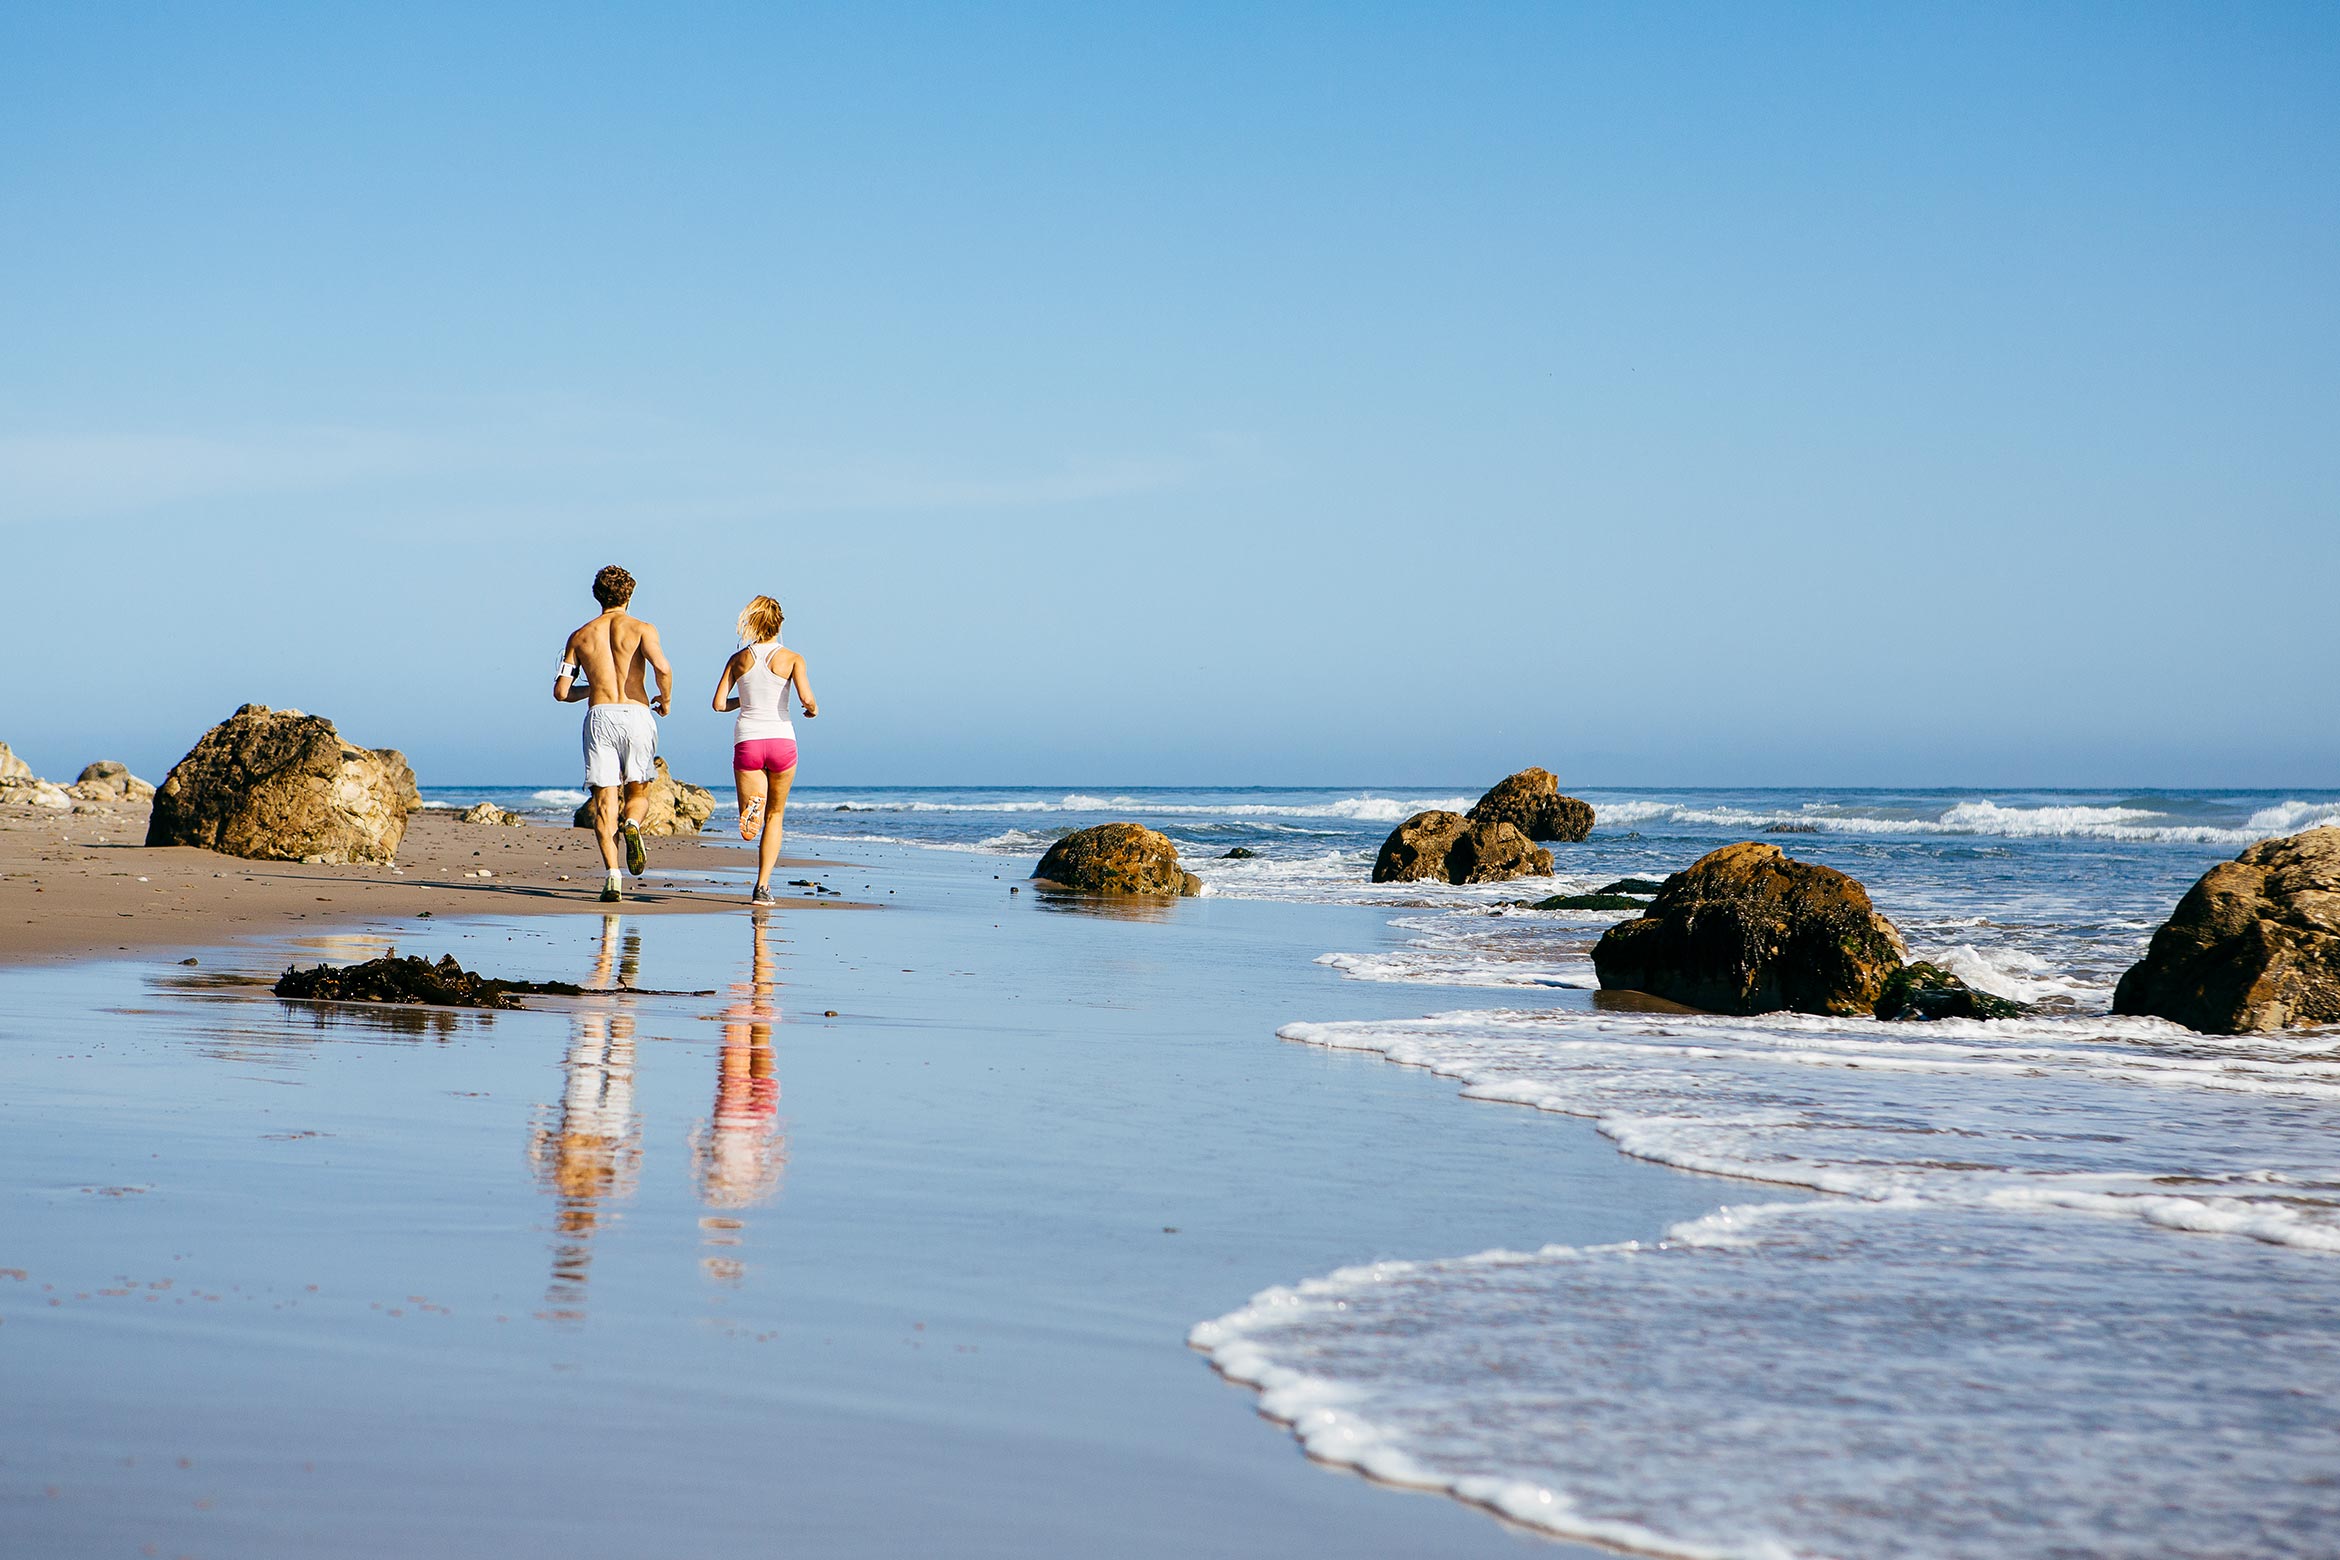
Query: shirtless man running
{"points": [[605, 663]]}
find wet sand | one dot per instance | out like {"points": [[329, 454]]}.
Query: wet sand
{"points": [[82, 884], [889, 1248]]}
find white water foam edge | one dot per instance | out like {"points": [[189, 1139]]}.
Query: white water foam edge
{"points": [[1994, 1276]]}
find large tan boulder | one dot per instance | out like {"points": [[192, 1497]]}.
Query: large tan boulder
{"points": [[12, 767], [2254, 945], [1445, 847], [107, 781], [489, 812], [1530, 802], [1117, 858], [675, 807], [279, 785], [1745, 929]]}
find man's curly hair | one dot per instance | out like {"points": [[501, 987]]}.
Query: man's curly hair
{"points": [[613, 587]]}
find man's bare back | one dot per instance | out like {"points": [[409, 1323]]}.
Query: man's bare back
{"points": [[617, 652]]}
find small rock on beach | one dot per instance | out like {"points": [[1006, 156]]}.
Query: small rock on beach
{"points": [[1117, 858], [107, 781], [1928, 991], [1746, 929], [1447, 847], [675, 806]]}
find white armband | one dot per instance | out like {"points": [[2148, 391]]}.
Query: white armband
{"points": [[568, 672]]}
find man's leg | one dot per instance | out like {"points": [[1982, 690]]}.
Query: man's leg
{"points": [[606, 811], [637, 808]]}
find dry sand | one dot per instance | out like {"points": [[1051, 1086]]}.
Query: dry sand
{"points": [[83, 883]]}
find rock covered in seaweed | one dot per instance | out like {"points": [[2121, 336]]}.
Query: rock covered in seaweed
{"points": [[1745, 929], [1589, 902], [2255, 945], [675, 806], [413, 980], [1117, 858], [280, 785], [1530, 802], [1624, 894], [1446, 847], [1928, 991]]}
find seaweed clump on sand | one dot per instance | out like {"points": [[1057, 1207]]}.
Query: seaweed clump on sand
{"points": [[414, 980]]}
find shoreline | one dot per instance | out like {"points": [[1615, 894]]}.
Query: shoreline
{"points": [[84, 885], [1009, 1156]]}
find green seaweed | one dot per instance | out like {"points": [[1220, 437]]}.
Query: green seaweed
{"points": [[1927, 991]]}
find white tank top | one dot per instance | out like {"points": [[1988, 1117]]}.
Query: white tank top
{"points": [[763, 699]]}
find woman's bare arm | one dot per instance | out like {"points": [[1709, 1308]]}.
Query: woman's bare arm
{"points": [[804, 693], [725, 699]]}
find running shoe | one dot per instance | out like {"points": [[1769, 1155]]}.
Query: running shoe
{"points": [[610, 896], [762, 896], [636, 859]]}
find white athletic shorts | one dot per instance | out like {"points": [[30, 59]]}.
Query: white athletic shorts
{"points": [[620, 741]]}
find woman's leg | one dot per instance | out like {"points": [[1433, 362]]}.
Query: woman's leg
{"points": [[768, 851], [751, 801]]}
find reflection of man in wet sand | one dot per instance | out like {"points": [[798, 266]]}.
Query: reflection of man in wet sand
{"points": [[740, 1152], [591, 1151], [606, 662]]}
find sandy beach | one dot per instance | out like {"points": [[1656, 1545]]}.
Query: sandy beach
{"points": [[923, 1228], [83, 883], [888, 1248]]}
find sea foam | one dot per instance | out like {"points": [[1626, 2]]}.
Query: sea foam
{"points": [[2075, 1293], [1885, 1382]]}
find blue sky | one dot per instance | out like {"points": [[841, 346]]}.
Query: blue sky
{"points": [[1346, 394]]}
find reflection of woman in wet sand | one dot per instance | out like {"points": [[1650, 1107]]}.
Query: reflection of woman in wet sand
{"points": [[591, 1150], [739, 1152], [756, 682]]}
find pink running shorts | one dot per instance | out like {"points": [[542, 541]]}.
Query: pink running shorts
{"points": [[773, 755]]}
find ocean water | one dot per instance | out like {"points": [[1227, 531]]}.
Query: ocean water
{"points": [[2073, 1286], [841, 1232]]}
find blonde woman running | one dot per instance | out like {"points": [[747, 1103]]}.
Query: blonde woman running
{"points": [[756, 682]]}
